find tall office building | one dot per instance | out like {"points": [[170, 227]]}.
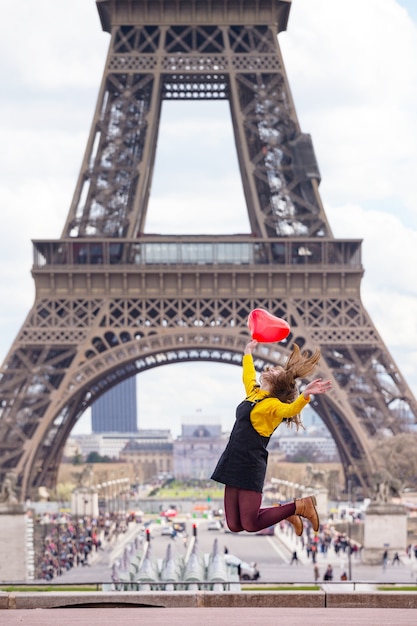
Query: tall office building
{"points": [[115, 411]]}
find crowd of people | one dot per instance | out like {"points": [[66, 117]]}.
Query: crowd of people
{"points": [[325, 540], [321, 543], [63, 541]]}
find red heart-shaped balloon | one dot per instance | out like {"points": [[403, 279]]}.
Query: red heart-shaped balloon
{"points": [[267, 328]]}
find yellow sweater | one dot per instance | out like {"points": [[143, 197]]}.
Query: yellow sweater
{"points": [[268, 414]]}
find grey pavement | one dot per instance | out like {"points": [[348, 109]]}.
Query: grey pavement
{"points": [[235, 616]]}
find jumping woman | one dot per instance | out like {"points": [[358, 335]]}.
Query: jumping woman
{"points": [[242, 466]]}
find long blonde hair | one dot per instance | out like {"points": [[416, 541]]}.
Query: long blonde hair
{"points": [[284, 387]]}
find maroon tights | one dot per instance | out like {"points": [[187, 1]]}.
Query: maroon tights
{"points": [[243, 512]]}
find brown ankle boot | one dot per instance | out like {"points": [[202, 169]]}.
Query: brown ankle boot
{"points": [[306, 507], [296, 522]]}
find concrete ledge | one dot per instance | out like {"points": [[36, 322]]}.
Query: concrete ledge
{"points": [[190, 599], [52, 599], [265, 599], [372, 600], [4, 600]]}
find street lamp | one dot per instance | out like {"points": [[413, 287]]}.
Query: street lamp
{"points": [[104, 485], [349, 530]]}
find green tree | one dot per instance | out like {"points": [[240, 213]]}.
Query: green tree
{"points": [[95, 457], [397, 456]]}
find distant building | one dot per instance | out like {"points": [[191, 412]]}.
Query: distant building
{"points": [[198, 449], [153, 458], [72, 448], [194, 454], [315, 443], [115, 411], [111, 444], [315, 448]]}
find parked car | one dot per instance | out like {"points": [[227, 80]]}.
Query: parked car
{"points": [[246, 571], [171, 512], [214, 524]]}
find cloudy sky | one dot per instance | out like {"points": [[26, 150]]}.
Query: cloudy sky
{"points": [[352, 68]]}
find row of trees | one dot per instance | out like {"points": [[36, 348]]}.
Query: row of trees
{"points": [[92, 457]]}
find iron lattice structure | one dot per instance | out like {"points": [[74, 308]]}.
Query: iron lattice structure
{"points": [[112, 301]]}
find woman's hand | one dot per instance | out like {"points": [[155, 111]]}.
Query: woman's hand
{"points": [[317, 386], [250, 347]]}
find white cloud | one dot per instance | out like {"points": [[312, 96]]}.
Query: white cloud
{"points": [[353, 72], [197, 188], [211, 389], [389, 247], [52, 44], [389, 289], [352, 69]]}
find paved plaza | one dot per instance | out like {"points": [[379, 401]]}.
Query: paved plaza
{"points": [[363, 579], [285, 544], [210, 617]]}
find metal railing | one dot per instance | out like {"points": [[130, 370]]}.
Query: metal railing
{"points": [[172, 251]]}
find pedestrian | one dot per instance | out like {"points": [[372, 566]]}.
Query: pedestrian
{"points": [[328, 574], [396, 559], [385, 559], [242, 466], [316, 573], [294, 557]]}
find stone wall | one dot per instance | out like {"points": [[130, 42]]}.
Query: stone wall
{"points": [[15, 554]]}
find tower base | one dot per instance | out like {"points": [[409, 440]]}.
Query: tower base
{"points": [[84, 501], [16, 544], [385, 529]]}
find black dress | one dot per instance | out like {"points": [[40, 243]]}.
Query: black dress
{"points": [[244, 460]]}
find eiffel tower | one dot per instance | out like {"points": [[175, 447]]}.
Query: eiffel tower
{"points": [[112, 301]]}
